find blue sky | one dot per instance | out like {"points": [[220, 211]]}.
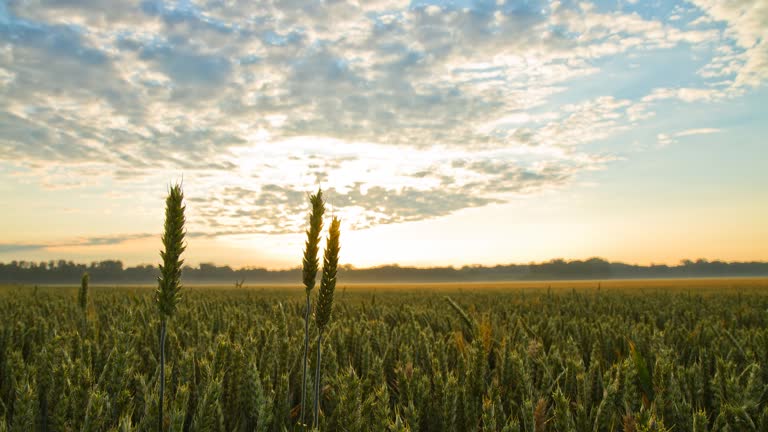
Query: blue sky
{"points": [[475, 132]]}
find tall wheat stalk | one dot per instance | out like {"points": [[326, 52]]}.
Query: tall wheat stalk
{"points": [[310, 265], [82, 301], [168, 293], [325, 300], [82, 294]]}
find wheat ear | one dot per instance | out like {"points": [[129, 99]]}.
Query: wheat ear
{"points": [[325, 300], [310, 265], [168, 292]]}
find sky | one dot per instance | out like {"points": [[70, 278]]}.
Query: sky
{"points": [[442, 133]]}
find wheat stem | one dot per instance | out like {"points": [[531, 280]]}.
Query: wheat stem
{"points": [[309, 274], [168, 293], [82, 300], [316, 419], [162, 373], [82, 295], [325, 298]]}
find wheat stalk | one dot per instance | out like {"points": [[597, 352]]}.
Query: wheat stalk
{"points": [[82, 294], [540, 416], [82, 301], [325, 300], [168, 292], [310, 265]]}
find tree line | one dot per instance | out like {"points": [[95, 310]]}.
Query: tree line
{"points": [[113, 271]]}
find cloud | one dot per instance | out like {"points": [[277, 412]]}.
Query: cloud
{"points": [[685, 94], [665, 139], [6, 248], [747, 25], [402, 111], [416, 76], [700, 131], [78, 242], [6, 77], [258, 211], [431, 185]]}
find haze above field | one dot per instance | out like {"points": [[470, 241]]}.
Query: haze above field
{"points": [[443, 133], [112, 271]]}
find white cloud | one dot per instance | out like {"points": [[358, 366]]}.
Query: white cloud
{"points": [[446, 101], [6, 77], [665, 139], [699, 131], [685, 94], [747, 24]]}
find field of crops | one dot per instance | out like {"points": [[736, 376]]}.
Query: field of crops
{"points": [[566, 356]]}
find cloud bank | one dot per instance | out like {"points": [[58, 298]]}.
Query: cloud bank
{"points": [[401, 111]]}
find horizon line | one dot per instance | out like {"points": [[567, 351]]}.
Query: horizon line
{"points": [[680, 263]]}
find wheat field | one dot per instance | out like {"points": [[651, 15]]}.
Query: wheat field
{"points": [[682, 355]]}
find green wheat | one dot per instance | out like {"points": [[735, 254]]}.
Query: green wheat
{"points": [[309, 273], [168, 292], [325, 300]]}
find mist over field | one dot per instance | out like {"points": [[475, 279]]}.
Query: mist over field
{"points": [[64, 272]]}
